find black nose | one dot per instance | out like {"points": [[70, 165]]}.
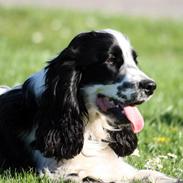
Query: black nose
{"points": [[148, 85]]}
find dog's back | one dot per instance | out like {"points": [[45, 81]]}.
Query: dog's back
{"points": [[13, 114]]}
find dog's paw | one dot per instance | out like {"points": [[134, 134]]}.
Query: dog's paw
{"points": [[166, 180], [147, 176]]}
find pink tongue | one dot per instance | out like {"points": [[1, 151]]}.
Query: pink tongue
{"points": [[134, 116]]}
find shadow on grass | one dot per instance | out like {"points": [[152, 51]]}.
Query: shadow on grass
{"points": [[171, 118]]}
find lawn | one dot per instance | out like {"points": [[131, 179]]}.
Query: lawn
{"points": [[30, 36]]}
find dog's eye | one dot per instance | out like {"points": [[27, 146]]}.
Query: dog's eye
{"points": [[111, 60]]}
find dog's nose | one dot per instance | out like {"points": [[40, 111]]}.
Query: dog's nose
{"points": [[148, 85]]}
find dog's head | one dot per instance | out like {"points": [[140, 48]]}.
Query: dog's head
{"points": [[112, 81], [97, 72]]}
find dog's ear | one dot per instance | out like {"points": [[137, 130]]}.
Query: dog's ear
{"points": [[123, 142], [62, 111]]}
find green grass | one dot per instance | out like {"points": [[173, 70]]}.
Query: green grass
{"points": [[30, 37]]}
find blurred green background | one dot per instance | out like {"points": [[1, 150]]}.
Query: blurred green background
{"points": [[29, 37]]}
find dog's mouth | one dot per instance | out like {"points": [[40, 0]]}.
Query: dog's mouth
{"points": [[128, 113]]}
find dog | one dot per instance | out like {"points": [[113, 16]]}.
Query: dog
{"points": [[76, 118]]}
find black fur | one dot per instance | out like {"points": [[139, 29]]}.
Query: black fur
{"points": [[59, 112], [15, 118], [62, 111], [123, 142]]}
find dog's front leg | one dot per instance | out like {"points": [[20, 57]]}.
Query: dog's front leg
{"points": [[154, 177], [105, 168]]}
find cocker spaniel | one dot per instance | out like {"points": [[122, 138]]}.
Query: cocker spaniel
{"points": [[77, 117]]}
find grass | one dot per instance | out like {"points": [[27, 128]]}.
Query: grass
{"points": [[30, 36]]}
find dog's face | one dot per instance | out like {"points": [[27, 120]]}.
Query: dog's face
{"points": [[111, 79], [96, 75]]}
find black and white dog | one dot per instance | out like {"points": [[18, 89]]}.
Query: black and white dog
{"points": [[76, 118]]}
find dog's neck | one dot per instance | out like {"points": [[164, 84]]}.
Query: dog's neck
{"points": [[95, 135], [102, 132]]}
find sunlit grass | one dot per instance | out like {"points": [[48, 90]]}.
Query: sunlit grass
{"points": [[30, 37]]}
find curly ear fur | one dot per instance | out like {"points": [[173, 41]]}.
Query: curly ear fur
{"points": [[61, 128], [123, 142]]}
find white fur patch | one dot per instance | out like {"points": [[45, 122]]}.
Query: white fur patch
{"points": [[4, 89]]}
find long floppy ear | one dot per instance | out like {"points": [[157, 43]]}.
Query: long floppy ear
{"points": [[123, 142], [61, 127]]}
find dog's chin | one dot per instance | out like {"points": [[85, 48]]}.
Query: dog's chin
{"points": [[123, 113], [123, 139]]}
